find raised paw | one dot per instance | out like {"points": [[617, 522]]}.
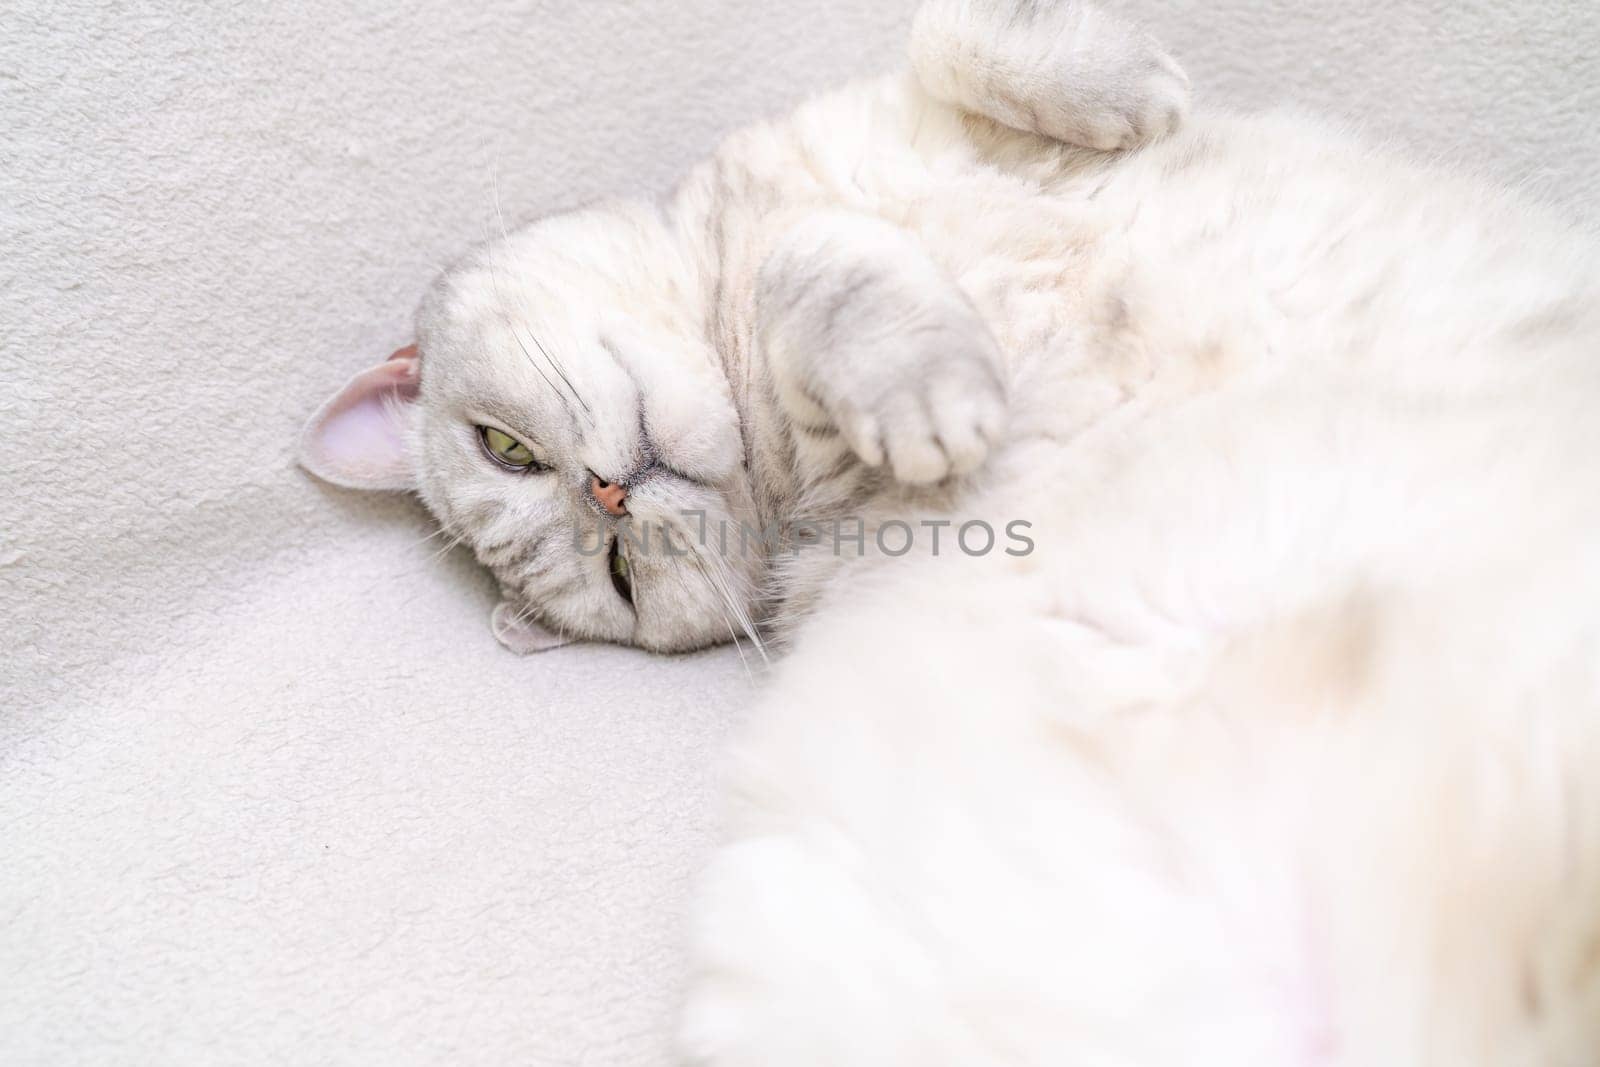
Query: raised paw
{"points": [[940, 426], [1061, 68], [867, 336], [1152, 105]]}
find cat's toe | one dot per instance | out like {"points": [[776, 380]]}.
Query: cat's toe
{"points": [[863, 434], [916, 454], [1163, 103], [948, 430], [1151, 105], [967, 422]]}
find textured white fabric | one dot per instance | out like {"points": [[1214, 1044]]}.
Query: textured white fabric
{"points": [[270, 791], [1508, 90]]}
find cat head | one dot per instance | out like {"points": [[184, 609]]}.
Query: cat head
{"points": [[563, 415]]}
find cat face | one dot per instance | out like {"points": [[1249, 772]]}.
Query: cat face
{"points": [[563, 415]]}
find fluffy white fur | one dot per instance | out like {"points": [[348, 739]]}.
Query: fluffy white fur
{"points": [[1280, 748]]}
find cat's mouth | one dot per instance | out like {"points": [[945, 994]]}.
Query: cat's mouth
{"points": [[621, 578]]}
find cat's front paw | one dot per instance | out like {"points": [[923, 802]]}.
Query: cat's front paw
{"points": [[867, 337], [939, 424]]}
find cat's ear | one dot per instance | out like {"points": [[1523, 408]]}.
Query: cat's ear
{"points": [[521, 634], [357, 439]]}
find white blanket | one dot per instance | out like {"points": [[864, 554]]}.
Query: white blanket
{"points": [[269, 792]]}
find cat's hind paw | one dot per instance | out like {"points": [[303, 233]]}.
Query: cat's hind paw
{"points": [[1064, 69], [1154, 105]]}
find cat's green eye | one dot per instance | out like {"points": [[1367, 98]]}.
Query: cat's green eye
{"points": [[505, 449]]}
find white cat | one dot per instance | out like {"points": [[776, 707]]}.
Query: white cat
{"points": [[1272, 733]]}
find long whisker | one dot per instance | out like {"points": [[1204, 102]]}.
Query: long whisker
{"points": [[551, 360], [557, 365], [715, 571], [726, 621], [554, 388], [446, 547], [526, 615], [499, 291], [721, 600], [494, 279], [439, 532], [719, 584]]}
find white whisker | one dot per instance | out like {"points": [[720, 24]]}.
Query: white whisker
{"points": [[733, 634], [555, 364], [716, 572]]}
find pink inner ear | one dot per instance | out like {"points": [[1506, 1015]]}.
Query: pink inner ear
{"points": [[357, 439]]}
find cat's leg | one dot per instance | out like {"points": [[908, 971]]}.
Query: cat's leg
{"points": [[866, 337], [1061, 68]]}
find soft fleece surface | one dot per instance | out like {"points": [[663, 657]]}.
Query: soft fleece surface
{"points": [[269, 792]]}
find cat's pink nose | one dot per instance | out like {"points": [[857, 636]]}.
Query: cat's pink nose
{"points": [[608, 495]]}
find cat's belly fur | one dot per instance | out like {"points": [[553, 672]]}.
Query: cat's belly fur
{"points": [[1242, 253], [1280, 746]]}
